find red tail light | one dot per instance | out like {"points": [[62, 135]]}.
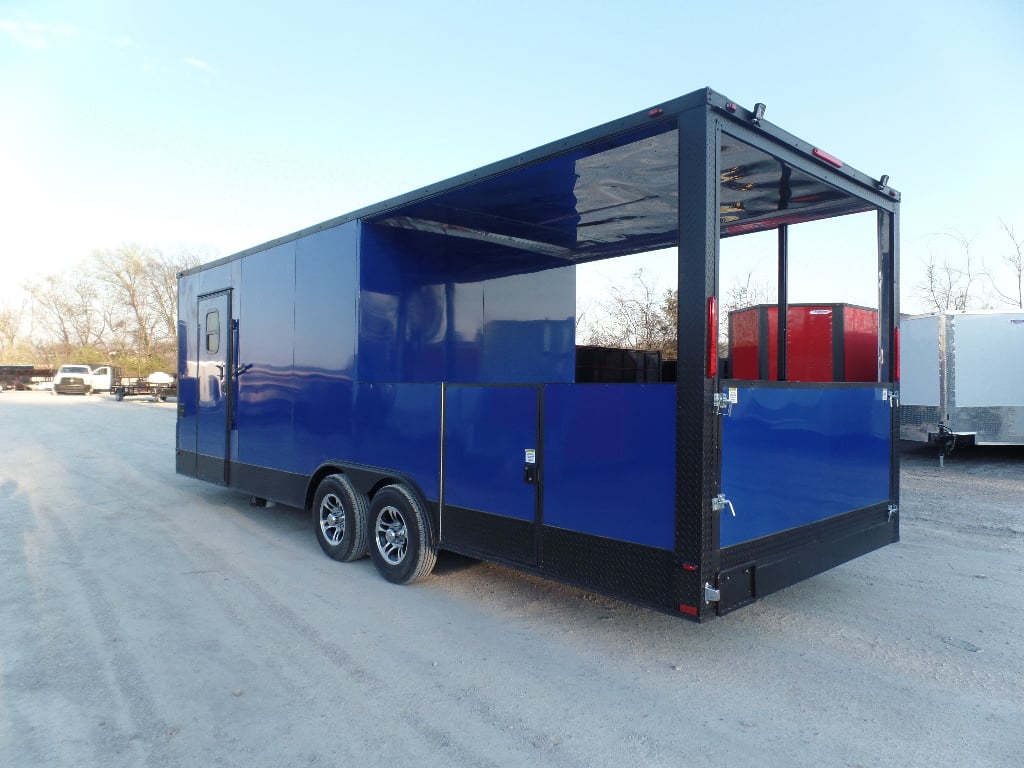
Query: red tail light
{"points": [[896, 355], [712, 351]]}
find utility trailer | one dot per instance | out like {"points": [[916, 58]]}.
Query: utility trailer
{"points": [[407, 373], [21, 377], [111, 378], [963, 378], [133, 386]]}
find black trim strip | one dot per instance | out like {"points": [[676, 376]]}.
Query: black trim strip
{"points": [[838, 343], [757, 568], [763, 355], [483, 534], [633, 572]]}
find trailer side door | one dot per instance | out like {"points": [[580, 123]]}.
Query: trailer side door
{"points": [[491, 471], [214, 386]]}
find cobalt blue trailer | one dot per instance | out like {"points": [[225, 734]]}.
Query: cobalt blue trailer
{"points": [[407, 373]]}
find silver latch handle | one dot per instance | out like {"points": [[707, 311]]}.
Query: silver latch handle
{"points": [[720, 502]]}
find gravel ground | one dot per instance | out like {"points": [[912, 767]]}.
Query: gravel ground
{"points": [[152, 620]]}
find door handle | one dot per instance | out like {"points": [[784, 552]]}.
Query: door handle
{"points": [[531, 472]]}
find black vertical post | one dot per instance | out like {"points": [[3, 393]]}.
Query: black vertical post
{"points": [[783, 311], [888, 299], [785, 193], [888, 323], [697, 446]]}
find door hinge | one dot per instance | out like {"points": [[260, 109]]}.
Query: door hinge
{"points": [[893, 510], [711, 595], [892, 395], [720, 502]]}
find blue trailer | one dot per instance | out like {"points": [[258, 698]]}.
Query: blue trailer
{"points": [[407, 373]]}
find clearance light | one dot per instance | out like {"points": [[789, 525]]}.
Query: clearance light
{"points": [[712, 351], [830, 159], [655, 112]]}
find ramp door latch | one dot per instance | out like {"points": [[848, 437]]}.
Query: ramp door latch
{"points": [[711, 595], [720, 502]]}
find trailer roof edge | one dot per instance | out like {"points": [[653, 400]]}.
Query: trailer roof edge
{"points": [[665, 111]]}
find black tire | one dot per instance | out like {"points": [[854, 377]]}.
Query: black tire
{"points": [[340, 519], [400, 546], [119, 394]]}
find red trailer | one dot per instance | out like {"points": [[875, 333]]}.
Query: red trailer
{"points": [[824, 342]]}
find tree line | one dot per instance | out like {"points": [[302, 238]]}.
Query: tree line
{"points": [[117, 306]]}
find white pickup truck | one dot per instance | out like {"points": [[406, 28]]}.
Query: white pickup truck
{"points": [[73, 379]]}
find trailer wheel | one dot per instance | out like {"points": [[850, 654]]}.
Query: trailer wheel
{"points": [[119, 394], [401, 548], [340, 519]]}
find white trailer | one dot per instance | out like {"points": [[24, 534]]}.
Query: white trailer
{"points": [[962, 378]]}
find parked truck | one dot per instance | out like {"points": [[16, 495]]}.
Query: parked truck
{"points": [[963, 378], [408, 373], [73, 379]]}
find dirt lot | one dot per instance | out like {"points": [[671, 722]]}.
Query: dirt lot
{"points": [[152, 620]]}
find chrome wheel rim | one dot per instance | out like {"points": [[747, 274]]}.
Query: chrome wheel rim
{"points": [[332, 519], [391, 534]]}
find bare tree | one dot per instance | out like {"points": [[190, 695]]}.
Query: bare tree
{"points": [[741, 294], [164, 279], [953, 284], [636, 316], [747, 293], [140, 293], [124, 277], [65, 306], [10, 326], [1012, 294]]}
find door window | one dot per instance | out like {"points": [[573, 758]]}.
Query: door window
{"points": [[212, 332]]}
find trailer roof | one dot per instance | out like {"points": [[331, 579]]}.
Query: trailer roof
{"points": [[613, 190]]}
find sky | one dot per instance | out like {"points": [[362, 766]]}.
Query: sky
{"points": [[215, 126]]}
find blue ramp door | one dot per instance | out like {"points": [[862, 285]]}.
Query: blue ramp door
{"points": [[490, 471], [800, 454], [213, 383]]}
